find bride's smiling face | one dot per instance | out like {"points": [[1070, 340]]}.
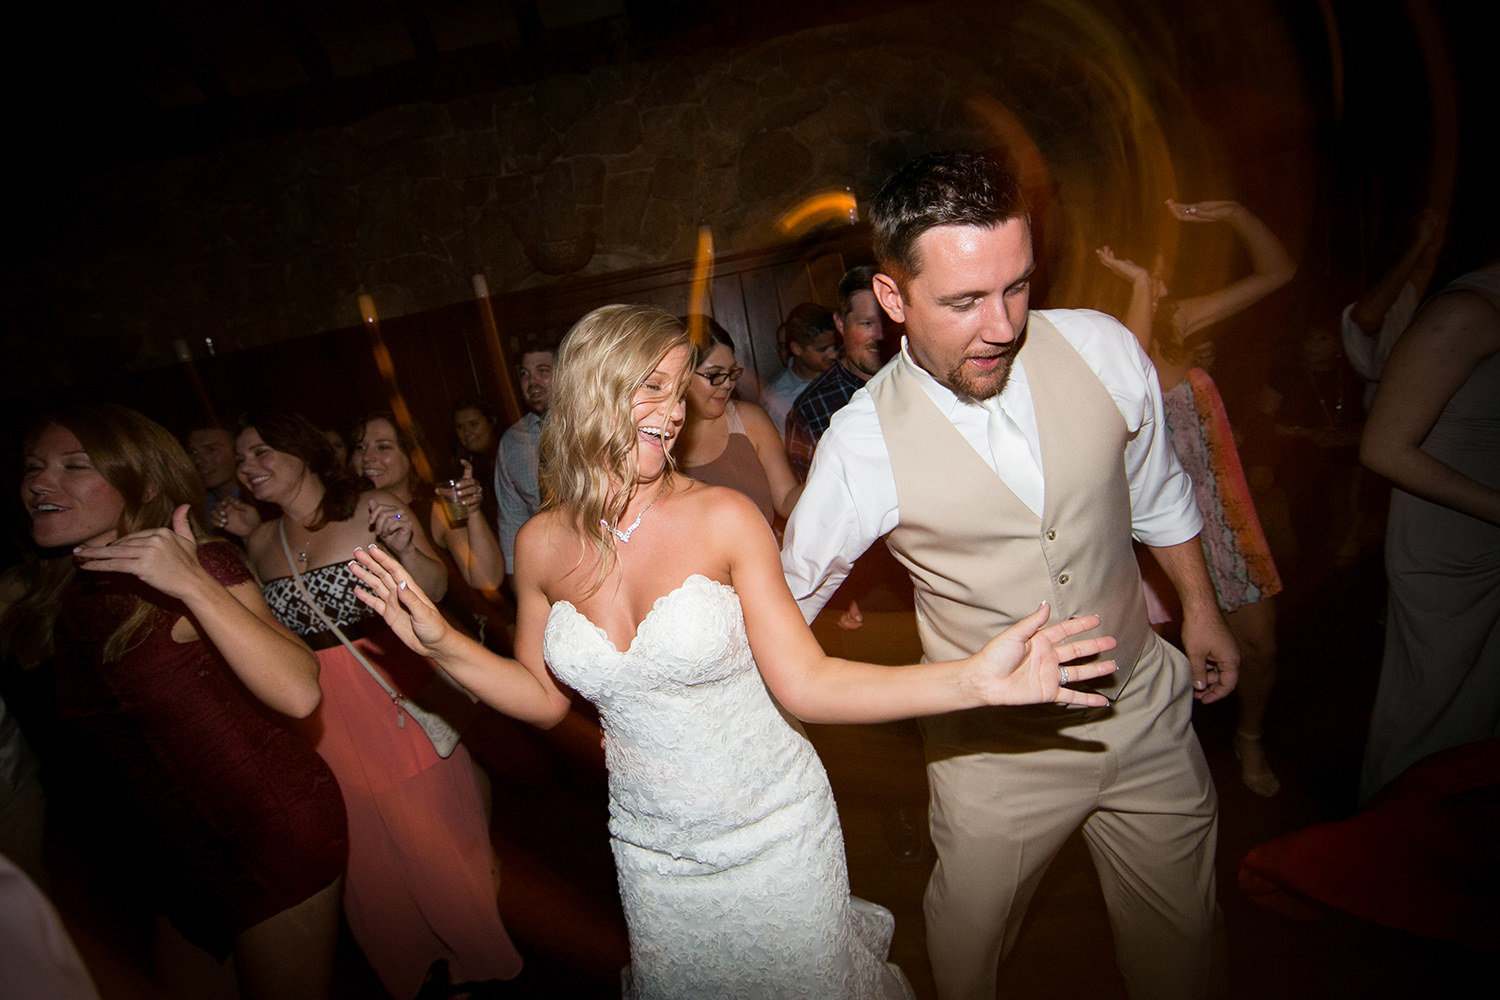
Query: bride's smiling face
{"points": [[657, 409]]}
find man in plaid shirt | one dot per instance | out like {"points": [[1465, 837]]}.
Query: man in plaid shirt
{"points": [[859, 322]]}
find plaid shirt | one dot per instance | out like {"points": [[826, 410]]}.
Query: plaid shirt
{"points": [[813, 411]]}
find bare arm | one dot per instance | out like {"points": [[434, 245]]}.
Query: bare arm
{"points": [[275, 667], [1271, 264], [1414, 267], [1211, 649], [1445, 342], [1016, 668], [522, 689], [1137, 318], [395, 526], [785, 489], [473, 544]]}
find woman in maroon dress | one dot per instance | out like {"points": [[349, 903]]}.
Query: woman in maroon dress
{"points": [[170, 670]]}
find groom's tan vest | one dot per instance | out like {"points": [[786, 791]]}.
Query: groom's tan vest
{"points": [[979, 559]]}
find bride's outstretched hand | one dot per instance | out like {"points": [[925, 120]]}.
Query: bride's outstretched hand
{"points": [[1025, 664], [391, 592]]}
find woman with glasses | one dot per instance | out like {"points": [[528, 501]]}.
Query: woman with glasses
{"points": [[730, 442]]}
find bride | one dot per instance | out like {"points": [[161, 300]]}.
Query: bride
{"points": [[662, 600]]}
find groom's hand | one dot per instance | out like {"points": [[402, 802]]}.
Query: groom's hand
{"points": [[1213, 653]]}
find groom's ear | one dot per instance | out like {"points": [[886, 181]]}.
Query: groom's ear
{"points": [[888, 294]]}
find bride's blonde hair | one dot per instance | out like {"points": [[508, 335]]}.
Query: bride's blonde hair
{"points": [[589, 440]]}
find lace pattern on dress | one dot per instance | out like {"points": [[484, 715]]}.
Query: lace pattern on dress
{"points": [[726, 840]]}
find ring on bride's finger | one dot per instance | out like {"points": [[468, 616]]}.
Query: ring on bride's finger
{"points": [[1063, 675], [401, 585]]}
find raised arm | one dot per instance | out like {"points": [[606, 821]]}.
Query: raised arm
{"points": [[785, 489], [473, 544], [1272, 265], [1137, 318], [1414, 267], [1434, 357], [395, 527], [1018, 667], [522, 689], [275, 667]]}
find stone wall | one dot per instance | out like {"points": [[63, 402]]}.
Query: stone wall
{"points": [[586, 174]]}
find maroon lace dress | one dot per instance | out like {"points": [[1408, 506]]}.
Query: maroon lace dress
{"points": [[239, 816]]}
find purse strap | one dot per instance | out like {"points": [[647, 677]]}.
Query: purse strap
{"points": [[396, 696]]}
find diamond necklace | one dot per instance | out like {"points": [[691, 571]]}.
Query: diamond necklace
{"points": [[624, 536]]}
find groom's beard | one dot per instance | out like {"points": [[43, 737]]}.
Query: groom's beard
{"points": [[970, 384]]}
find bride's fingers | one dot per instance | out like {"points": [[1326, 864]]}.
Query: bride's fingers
{"points": [[1083, 699], [375, 604], [378, 587], [1070, 626], [1089, 671], [1079, 648]]}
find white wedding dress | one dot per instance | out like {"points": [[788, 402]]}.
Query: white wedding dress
{"points": [[727, 845]]}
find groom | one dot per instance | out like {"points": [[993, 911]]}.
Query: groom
{"points": [[1012, 455]]}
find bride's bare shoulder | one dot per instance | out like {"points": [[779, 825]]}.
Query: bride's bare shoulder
{"points": [[723, 507]]}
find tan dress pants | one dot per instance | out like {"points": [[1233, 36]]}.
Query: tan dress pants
{"points": [[1132, 776]]}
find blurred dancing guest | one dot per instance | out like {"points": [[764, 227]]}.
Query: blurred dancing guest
{"points": [[211, 450], [729, 442], [1434, 432], [516, 487], [1010, 452], [812, 342], [862, 331], [1171, 331], [419, 889], [383, 452], [1373, 322], [169, 667], [476, 433], [661, 599]]}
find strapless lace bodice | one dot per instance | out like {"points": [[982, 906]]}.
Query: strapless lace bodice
{"points": [[730, 857]]}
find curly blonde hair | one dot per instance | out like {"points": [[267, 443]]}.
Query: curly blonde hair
{"points": [[587, 462]]}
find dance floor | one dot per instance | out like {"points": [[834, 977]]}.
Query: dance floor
{"points": [[558, 892]]}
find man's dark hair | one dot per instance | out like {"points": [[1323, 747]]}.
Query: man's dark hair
{"points": [[855, 280], [957, 188], [806, 322]]}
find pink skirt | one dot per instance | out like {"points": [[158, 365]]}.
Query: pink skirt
{"points": [[419, 886]]}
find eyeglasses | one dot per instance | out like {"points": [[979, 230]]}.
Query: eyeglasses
{"points": [[718, 376]]}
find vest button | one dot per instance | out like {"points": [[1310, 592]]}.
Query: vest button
{"points": [[1051, 535], [1063, 578]]}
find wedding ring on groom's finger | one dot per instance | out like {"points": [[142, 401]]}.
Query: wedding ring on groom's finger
{"points": [[1063, 675]]}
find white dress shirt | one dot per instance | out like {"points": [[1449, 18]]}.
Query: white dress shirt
{"points": [[850, 497]]}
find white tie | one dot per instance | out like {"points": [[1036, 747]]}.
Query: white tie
{"points": [[1013, 460]]}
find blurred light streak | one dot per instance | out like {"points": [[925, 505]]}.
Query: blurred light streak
{"points": [[420, 460], [1335, 56], [509, 401], [1442, 92], [703, 275], [1117, 198], [828, 206]]}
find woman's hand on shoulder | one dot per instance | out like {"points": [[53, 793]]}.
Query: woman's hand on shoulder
{"points": [[163, 558], [1023, 665]]}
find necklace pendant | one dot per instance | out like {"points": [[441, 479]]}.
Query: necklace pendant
{"points": [[623, 536]]}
